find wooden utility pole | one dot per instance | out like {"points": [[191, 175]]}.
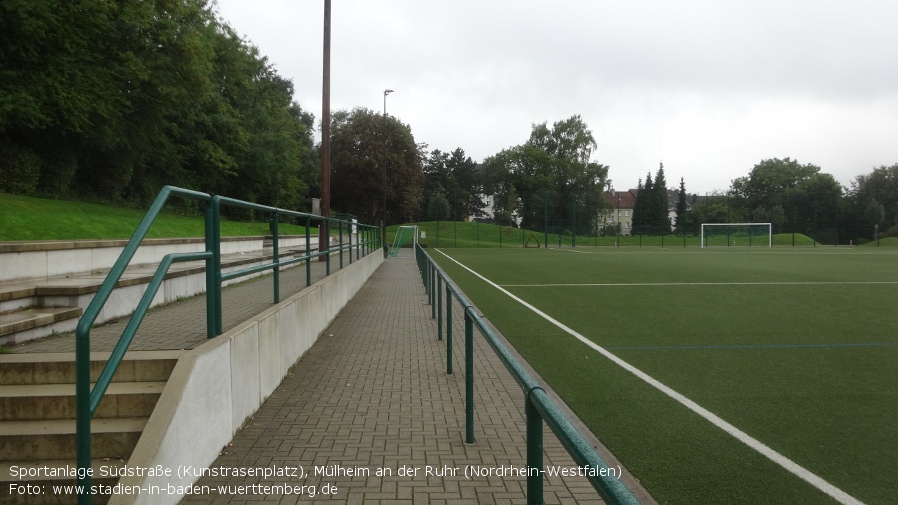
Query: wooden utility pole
{"points": [[323, 228]]}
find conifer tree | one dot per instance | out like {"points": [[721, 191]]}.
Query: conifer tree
{"points": [[642, 208], [681, 207], [660, 220]]}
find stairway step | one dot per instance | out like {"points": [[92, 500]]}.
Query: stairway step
{"points": [[33, 317], [33, 440], [59, 368], [57, 401]]}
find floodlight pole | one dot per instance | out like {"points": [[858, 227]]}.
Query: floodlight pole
{"points": [[384, 225], [323, 231]]}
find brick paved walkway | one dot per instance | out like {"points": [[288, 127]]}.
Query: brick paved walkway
{"points": [[373, 393]]}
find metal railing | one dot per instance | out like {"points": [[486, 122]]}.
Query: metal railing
{"points": [[87, 399], [538, 406]]}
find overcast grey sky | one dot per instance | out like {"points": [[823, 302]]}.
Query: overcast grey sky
{"points": [[708, 87]]}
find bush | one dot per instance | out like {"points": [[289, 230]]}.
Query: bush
{"points": [[57, 175], [21, 169]]}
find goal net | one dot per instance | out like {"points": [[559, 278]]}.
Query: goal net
{"points": [[406, 237], [737, 235]]}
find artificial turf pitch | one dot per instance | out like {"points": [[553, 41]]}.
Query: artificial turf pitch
{"points": [[798, 348]]}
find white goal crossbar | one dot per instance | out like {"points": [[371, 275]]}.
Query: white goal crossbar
{"points": [[735, 226]]}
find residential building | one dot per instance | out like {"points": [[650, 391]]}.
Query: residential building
{"points": [[622, 204]]}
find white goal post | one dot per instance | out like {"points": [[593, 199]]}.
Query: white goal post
{"points": [[737, 234]]}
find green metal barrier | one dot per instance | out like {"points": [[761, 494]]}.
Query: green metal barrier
{"points": [[87, 399], [538, 406]]}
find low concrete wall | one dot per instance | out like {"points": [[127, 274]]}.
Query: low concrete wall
{"points": [[216, 387]]}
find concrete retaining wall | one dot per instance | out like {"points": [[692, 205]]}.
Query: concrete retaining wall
{"points": [[216, 387]]}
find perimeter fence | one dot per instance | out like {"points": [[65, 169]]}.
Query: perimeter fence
{"points": [[614, 219]]}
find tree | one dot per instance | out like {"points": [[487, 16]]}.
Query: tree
{"points": [[438, 208], [681, 207], [551, 173], [455, 173], [112, 100], [660, 217], [810, 199], [361, 140], [713, 208], [644, 207], [875, 198], [466, 201]]}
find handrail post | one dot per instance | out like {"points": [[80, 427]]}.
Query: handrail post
{"points": [[83, 417], [340, 241], [216, 259], [534, 452], [277, 260], [469, 377], [308, 252], [349, 235], [439, 308], [448, 329], [327, 253], [435, 288], [210, 269]]}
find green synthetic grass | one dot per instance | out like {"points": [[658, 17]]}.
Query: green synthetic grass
{"points": [[27, 218], [785, 344]]}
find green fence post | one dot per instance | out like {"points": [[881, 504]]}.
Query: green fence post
{"points": [[534, 452], [210, 271], [469, 377], [327, 250], [308, 251], [434, 288], [340, 240], [216, 257], [448, 328], [277, 262], [439, 308]]}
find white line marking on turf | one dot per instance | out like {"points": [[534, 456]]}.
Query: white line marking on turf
{"points": [[618, 284], [791, 466]]}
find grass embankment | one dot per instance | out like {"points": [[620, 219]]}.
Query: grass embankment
{"points": [[27, 218], [464, 234]]}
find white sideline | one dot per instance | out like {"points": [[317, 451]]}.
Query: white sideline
{"points": [[791, 466], [618, 284]]}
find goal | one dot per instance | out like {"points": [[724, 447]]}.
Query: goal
{"points": [[405, 235], [737, 235]]}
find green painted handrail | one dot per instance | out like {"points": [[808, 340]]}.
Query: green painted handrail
{"points": [[87, 399], [538, 406]]}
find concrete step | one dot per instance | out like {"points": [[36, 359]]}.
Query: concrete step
{"points": [[36, 440], [59, 368], [57, 401], [42, 476], [31, 317], [29, 323]]}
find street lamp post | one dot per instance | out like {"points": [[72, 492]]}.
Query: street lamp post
{"points": [[384, 224]]}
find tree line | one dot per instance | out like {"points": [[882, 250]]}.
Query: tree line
{"points": [[112, 100], [793, 197]]}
